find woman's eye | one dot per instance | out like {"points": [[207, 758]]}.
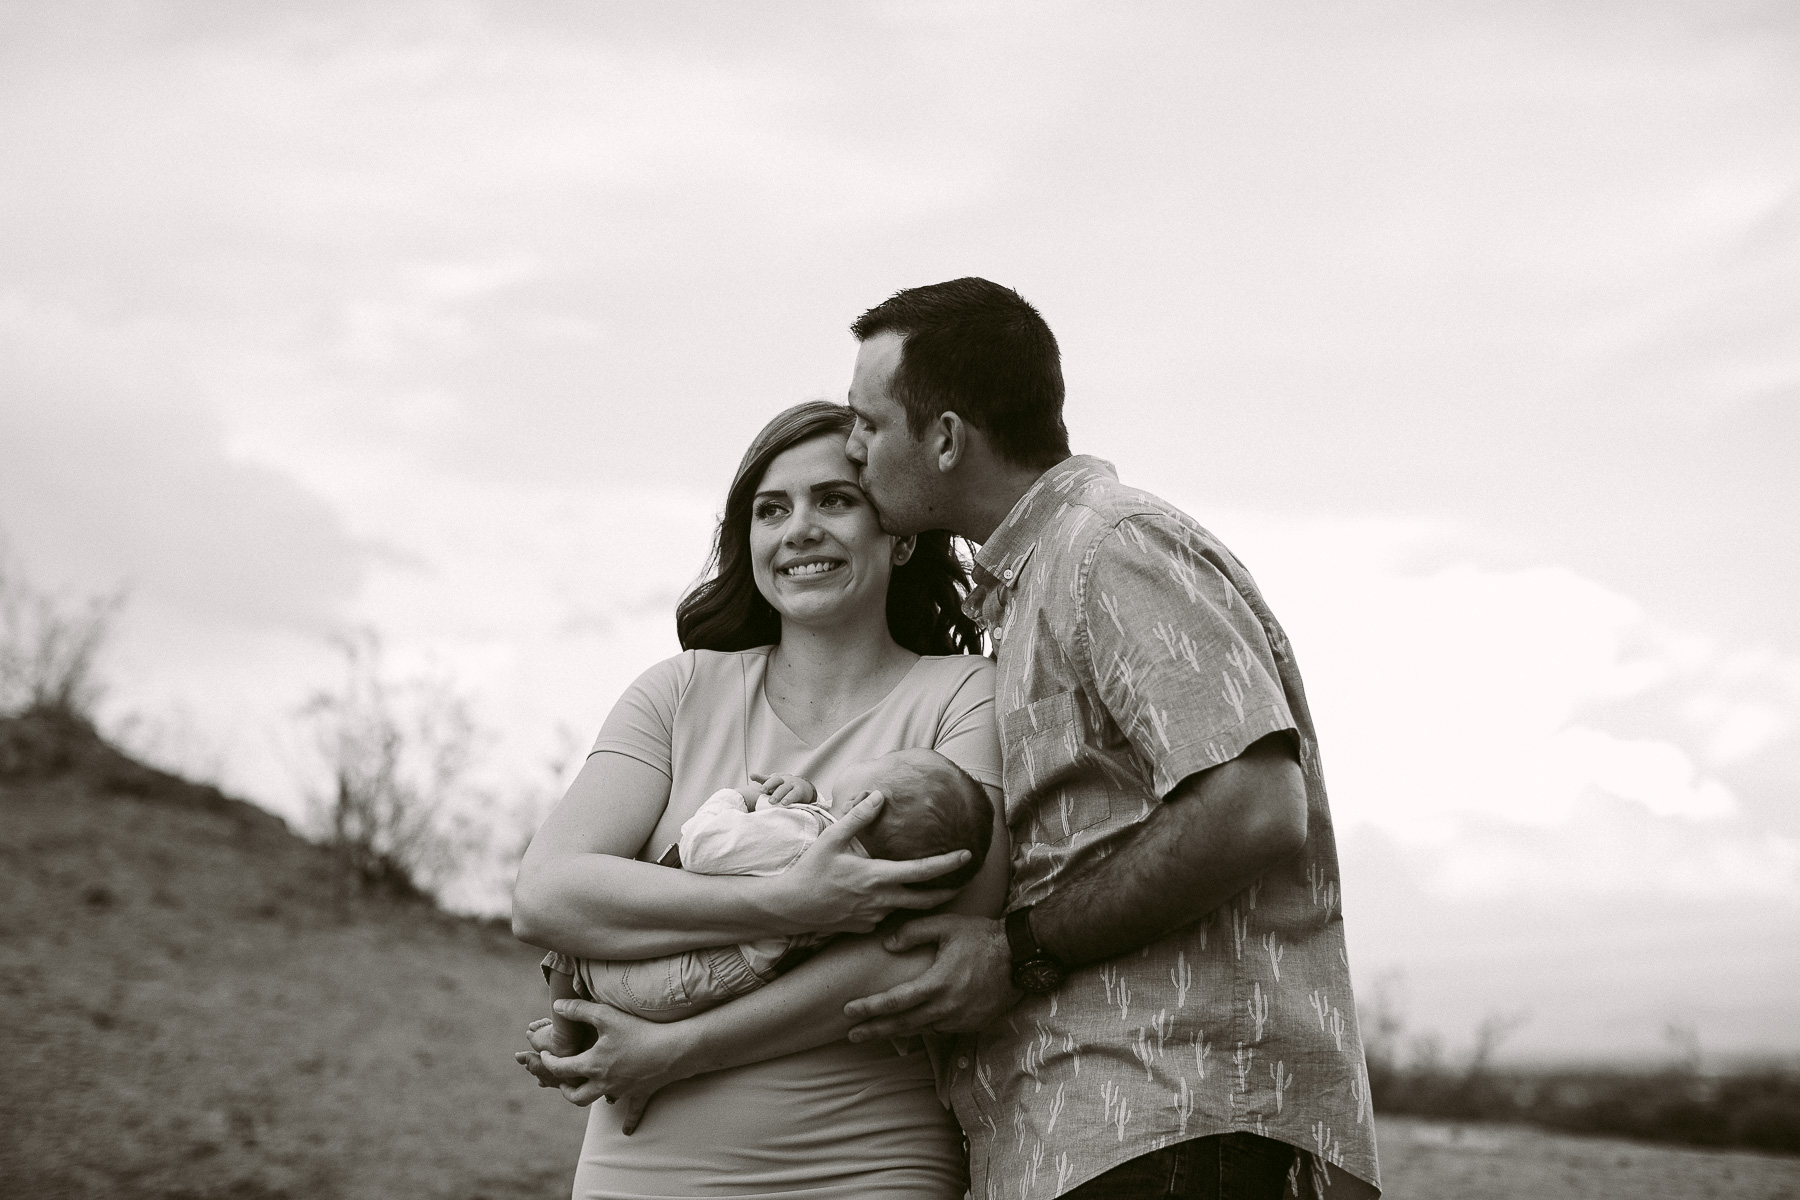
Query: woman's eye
{"points": [[766, 511], [839, 499]]}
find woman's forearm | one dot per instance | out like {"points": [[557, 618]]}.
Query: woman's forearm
{"points": [[606, 906], [800, 1010], [602, 903]]}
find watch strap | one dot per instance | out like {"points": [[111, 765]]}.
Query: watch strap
{"points": [[1019, 938]]}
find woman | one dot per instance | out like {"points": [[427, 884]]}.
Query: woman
{"points": [[817, 643]]}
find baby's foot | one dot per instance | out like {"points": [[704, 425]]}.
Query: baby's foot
{"points": [[548, 1039]]}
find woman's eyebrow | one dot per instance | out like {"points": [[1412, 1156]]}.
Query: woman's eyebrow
{"points": [[831, 485]]}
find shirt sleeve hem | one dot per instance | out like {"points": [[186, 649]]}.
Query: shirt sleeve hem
{"points": [[634, 754], [981, 775], [1222, 746]]}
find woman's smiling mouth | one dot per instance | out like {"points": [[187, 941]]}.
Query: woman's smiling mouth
{"points": [[807, 568]]}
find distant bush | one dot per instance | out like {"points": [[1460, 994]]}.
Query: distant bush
{"points": [[1757, 1110], [1679, 1103], [49, 645], [397, 755]]}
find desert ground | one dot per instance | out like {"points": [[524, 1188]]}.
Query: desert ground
{"points": [[1433, 1160], [195, 1009]]}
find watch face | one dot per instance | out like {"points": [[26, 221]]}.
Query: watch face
{"points": [[1039, 976]]}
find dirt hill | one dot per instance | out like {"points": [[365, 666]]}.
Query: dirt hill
{"points": [[193, 1008]]}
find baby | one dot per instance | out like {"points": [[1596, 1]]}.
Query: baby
{"points": [[932, 806]]}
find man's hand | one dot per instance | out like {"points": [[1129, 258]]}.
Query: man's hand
{"points": [[833, 889], [968, 986], [630, 1061]]}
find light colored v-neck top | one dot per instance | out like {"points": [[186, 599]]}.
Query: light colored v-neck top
{"points": [[841, 1120]]}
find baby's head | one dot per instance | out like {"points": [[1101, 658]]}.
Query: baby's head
{"points": [[933, 807]]}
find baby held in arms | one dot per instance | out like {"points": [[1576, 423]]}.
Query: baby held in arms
{"points": [[932, 806]]}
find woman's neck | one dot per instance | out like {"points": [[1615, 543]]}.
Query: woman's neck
{"points": [[826, 660], [820, 678]]}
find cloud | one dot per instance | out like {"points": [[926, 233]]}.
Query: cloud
{"points": [[454, 319], [117, 473], [1461, 711]]}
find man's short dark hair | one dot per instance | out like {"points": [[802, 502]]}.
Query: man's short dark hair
{"points": [[979, 350]]}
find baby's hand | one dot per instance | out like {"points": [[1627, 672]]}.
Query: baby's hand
{"points": [[785, 789]]}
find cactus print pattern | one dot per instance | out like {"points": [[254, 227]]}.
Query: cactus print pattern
{"points": [[1135, 650]]}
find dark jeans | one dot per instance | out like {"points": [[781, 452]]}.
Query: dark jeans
{"points": [[1229, 1166]]}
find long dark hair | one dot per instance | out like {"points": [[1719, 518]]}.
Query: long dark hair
{"points": [[725, 611]]}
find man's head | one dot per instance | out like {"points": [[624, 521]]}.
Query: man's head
{"points": [[933, 806], [945, 374]]}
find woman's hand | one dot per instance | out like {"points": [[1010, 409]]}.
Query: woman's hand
{"points": [[630, 1061], [833, 889]]}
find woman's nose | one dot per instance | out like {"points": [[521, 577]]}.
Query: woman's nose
{"points": [[802, 527]]}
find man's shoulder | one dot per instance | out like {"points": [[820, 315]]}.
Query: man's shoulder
{"points": [[1097, 507]]}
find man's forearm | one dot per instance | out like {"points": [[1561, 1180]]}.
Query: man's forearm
{"points": [[1217, 833]]}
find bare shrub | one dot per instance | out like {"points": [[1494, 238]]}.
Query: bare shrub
{"points": [[50, 645], [398, 755]]}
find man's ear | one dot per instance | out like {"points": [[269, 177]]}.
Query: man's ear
{"points": [[903, 549], [952, 441]]}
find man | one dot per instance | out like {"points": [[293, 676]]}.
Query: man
{"points": [[1166, 1007]]}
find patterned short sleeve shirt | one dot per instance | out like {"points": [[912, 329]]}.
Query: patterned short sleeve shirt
{"points": [[1134, 651]]}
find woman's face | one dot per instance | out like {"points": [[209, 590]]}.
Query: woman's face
{"points": [[817, 551]]}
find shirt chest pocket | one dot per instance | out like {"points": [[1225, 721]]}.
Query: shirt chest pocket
{"points": [[1049, 772]]}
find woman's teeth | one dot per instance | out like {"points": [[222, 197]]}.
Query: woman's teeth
{"points": [[815, 568]]}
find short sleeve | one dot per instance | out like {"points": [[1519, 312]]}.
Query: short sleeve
{"points": [[969, 734], [1181, 662], [642, 724]]}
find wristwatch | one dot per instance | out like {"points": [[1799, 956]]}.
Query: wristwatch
{"points": [[1034, 971]]}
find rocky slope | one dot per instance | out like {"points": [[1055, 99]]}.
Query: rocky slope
{"points": [[193, 1008]]}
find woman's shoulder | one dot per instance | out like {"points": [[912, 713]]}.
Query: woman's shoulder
{"points": [[694, 682], [699, 666], [950, 675]]}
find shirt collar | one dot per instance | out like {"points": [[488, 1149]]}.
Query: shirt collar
{"points": [[1002, 558]]}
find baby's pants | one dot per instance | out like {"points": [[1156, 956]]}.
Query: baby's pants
{"points": [[661, 989]]}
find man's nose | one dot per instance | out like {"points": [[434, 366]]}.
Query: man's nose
{"points": [[853, 449]]}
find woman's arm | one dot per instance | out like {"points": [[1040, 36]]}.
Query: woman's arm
{"points": [[632, 1058], [581, 891]]}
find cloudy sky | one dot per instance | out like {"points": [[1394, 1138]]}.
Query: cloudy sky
{"points": [[1472, 331]]}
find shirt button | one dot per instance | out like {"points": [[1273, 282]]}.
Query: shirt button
{"points": [[998, 634], [1007, 574], [962, 1064]]}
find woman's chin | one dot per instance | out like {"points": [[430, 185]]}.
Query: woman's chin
{"points": [[820, 610]]}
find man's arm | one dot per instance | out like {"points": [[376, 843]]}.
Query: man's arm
{"points": [[1217, 832]]}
